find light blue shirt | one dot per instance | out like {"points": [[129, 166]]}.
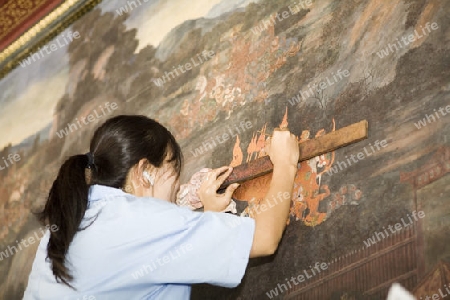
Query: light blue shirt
{"points": [[145, 248]]}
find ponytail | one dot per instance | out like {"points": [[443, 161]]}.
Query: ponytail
{"points": [[66, 204]]}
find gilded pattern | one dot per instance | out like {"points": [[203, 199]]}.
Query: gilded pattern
{"points": [[54, 23], [13, 13]]}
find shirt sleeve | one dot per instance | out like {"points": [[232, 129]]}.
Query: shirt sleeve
{"points": [[194, 247]]}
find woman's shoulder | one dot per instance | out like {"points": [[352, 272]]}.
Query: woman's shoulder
{"points": [[117, 202]]}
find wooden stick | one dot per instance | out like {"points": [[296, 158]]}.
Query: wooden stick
{"points": [[309, 149]]}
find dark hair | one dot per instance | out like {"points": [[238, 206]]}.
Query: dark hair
{"points": [[119, 144]]}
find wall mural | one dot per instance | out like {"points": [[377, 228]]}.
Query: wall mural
{"points": [[307, 193], [221, 75]]}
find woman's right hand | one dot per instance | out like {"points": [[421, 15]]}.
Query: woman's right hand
{"points": [[211, 200], [283, 148]]}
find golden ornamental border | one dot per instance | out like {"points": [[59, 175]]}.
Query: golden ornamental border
{"points": [[43, 32]]}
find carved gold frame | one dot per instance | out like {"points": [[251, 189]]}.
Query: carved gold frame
{"points": [[43, 32]]}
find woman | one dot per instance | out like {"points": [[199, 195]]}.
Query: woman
{"points": [[120, 235]]}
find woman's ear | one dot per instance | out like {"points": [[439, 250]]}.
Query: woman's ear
{"points": [[145, 173]]}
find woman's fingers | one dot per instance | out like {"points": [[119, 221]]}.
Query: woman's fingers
{"points": [[213, 174], [213, 178], [229, 191], [224, 176], [208, 190], [284, 148]]}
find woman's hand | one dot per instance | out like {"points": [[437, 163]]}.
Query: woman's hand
{"points": [[283, 149], [212, 201]]}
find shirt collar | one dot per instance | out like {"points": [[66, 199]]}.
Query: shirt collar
{"points": [[99, 192]]}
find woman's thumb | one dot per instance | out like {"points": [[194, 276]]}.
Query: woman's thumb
{"points": [[230, 190]]}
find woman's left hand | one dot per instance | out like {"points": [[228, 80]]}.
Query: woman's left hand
{"points": [[212, 201]]}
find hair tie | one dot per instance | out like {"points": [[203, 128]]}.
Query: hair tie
{"points": [[91, 161]]}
